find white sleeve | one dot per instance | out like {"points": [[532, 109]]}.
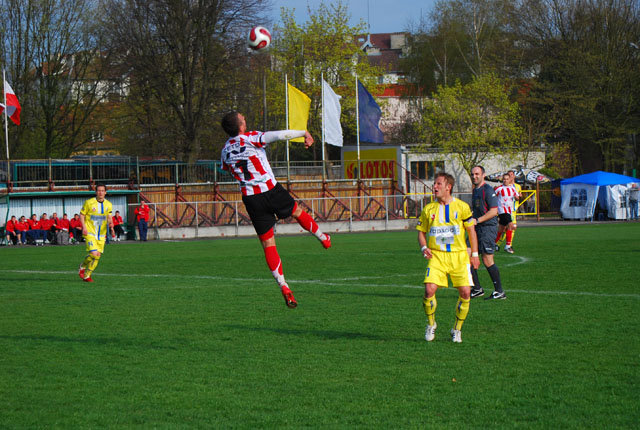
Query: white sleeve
{"points": [[273, 136]]}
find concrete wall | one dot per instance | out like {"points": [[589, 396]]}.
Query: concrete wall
{"points": [[492, 164], [288, 229]]}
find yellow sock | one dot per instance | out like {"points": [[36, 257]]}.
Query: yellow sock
{"points": [[91, 266], [429, 305], [462, 309], [87, 260]]}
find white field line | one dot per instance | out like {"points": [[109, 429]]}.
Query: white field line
{"points": [[335, 282]]}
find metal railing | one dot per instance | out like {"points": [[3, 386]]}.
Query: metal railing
{"points": [[200, 214]]}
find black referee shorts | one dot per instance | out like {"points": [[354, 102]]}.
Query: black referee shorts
{"points": [[266, 208]]}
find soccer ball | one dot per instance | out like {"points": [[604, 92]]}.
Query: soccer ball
{"points": [[259, 38]]}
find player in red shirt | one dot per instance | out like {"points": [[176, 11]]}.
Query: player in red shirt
{"points": [[244, 156], [117, 225], [507, 196], [142, 217], [10, 230], [36, 233], [46, 225], [21, 228], [62, 230], [76, 229]]}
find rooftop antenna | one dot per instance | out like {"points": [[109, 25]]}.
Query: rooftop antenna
{"points": [[368, 19]]}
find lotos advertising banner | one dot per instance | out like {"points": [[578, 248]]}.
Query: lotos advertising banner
{"points": [[374, 163]]}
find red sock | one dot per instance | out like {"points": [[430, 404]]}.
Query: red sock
{"points": [[275, 264], [498, 237], [509, 237], [307, 222]]}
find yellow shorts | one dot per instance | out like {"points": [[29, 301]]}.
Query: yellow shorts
{"points": [[455, 264], [94, 245]]}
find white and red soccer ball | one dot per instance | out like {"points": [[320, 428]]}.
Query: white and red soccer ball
{"points": [[259, 38]]}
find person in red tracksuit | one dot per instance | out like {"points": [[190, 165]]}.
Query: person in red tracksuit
{"points": [[62, 230], [117, 225], [22, 227], [45, 224], [10, 230], [142, 216], [76, 229], [36, 233]]}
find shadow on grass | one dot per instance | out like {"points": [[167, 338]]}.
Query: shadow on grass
{"points": [[88, 341], [322, 334]]}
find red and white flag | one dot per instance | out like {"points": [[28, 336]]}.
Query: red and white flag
{"points": [[13, 106]]}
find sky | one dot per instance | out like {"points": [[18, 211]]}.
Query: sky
{"points": [[384, 16]]}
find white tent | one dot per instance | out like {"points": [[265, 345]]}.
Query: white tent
{"points": [[581, 193]]}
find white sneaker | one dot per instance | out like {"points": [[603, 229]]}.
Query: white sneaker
{"points": [[456, 336], [430, 332]]}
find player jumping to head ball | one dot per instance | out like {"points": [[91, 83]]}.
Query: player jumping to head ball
{"points": [[441, 235], [264, 198]]}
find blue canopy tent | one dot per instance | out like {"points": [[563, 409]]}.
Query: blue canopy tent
{"points": [[581, 193]]}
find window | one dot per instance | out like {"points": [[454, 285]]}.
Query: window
{"points": [[578, 197], [426, 169]]}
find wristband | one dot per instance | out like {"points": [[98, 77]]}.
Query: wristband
{"points": [[474, 254], [423, 248]]}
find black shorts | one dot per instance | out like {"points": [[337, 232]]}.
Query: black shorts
{"points": [[505, 219], [263, 208], [487, 238]]}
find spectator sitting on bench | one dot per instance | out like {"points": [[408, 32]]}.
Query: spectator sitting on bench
{"points": [[22, 227], [117, 226], [75, 226], [62, 230], [10, 231], [36, 234]]}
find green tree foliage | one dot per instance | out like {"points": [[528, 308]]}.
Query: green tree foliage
{"points": [[463, 39], [472, 120], [55, 59], [589, 62], [184, 57], [324, 45]]}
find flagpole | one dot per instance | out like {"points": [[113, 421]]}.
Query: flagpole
{"points": [[323, 134], [286, 102], [357, 128], [6, 128]]}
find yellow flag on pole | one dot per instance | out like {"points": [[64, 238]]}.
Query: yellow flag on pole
{"points": [[299, 104]]}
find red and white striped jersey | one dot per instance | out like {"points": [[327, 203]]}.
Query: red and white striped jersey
{"points": [[507, 196], [244, 156]]}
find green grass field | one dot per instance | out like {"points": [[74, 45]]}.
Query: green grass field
{"points": [[196, 334]]}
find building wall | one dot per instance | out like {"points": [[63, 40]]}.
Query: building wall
{"points": [[492, 164]]}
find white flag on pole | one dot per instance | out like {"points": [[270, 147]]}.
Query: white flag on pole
{"points": [[331, 115]]}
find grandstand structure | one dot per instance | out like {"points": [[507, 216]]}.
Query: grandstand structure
{"points": [[200, 199]]}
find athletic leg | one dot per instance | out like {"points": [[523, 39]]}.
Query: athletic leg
{"points": [[307, 222], [274, 263], [429, 305]]}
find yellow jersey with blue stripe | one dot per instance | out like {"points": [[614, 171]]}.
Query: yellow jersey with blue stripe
{"points": [[96, 216], [445, 225]]}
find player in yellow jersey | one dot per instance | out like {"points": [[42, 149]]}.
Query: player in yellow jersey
{"points": [[95, 217], [441, 235]]}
